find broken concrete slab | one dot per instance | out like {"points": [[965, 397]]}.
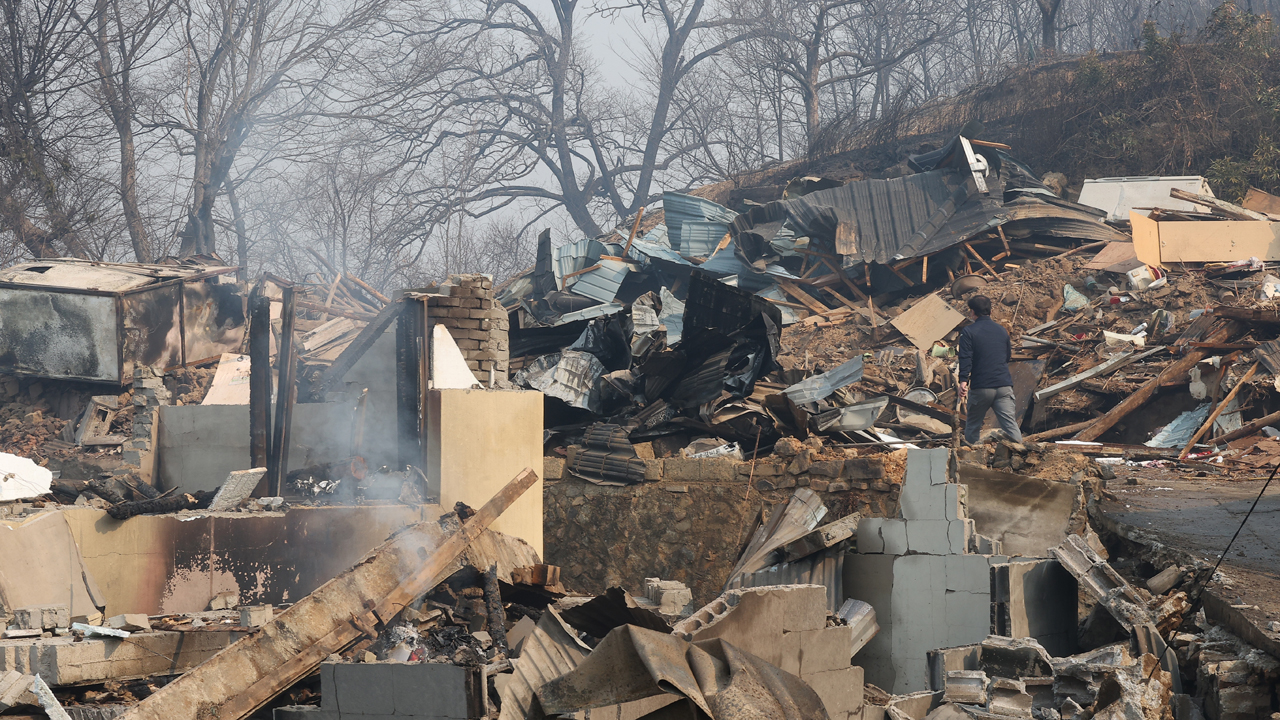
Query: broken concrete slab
{"points": [[130, 622], [1008, 697], [238, 486], [1102, 582], [1028, 515], [862, 618], [1163, 581], [965, 686], [256, 615]]}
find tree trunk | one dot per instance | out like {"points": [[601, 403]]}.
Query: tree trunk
{"points": [[1048, 24]]}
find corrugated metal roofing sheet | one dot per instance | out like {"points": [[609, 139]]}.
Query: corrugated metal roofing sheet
{"points": [[589, 313], [550, 651], [679, 209], [602, 283], [699, 238], [824, 568], [819, 386], [640, 250], [574, 256], [879, 220]]}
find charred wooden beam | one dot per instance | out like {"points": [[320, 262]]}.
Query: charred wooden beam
{"points": [[168, 504], [259, 377], [286, 394]]}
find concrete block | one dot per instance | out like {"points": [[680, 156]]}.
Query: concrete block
{"points": [[1008, 697], [955, 501], [870, 539], [37, 617], [681, 469], [826, 649], [959, 533], [789, 650], [841, 691], [716, 469], [362, 688], [760, 619], [968, 687], [945, 660], [827, 468], [923, 501], [894, 533], [916, 705], [132, 622], [968, 573], [256, 616], [928, 537]]}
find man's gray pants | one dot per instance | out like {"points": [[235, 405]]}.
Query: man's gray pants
{"points": [[1002, 401]]}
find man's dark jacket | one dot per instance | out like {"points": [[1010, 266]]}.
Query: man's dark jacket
{"points": [[984, 354]]}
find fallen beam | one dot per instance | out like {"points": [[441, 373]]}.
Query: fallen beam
{"points": [[1100, 370], [1247, 429], [241, 679], [1144, 393], [1208, 424]]}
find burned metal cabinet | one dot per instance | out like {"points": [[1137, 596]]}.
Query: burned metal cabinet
{"points": [[80, 320]]}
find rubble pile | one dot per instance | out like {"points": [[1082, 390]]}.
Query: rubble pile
{"points": [[739, 488]]}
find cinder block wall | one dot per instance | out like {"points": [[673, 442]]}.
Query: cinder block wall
{"points": [[688, 521], [465, 306]]}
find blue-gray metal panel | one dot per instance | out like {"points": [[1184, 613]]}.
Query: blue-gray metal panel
{"points": [[574, 256], [642, 251], [699, 238], [679, 209], [819, 386], [602, 283], [588, 313]]}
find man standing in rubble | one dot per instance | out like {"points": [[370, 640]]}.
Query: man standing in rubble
{"points": [[984, 373]]}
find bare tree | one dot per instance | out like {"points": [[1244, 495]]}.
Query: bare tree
{"points": [[122, 33], [1049, 24], [246, 54], [39, 114]]}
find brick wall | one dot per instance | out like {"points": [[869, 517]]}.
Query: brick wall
{"points": [[465, 306], [689, 520]]}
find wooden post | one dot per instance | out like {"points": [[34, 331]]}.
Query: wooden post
{"points": [[1218, 410], [634, 227], [259, 377], [286, 394], [409, 327]]}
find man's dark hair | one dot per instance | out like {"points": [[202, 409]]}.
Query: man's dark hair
{"points": [[980, 305]]}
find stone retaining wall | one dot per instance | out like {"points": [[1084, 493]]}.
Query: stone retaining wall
{"points": [[691, 517]]}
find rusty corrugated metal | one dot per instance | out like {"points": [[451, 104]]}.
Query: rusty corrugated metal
{"points": [[550, 651]]}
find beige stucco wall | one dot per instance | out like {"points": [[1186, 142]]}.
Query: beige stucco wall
{"points": [[477, 441]]}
